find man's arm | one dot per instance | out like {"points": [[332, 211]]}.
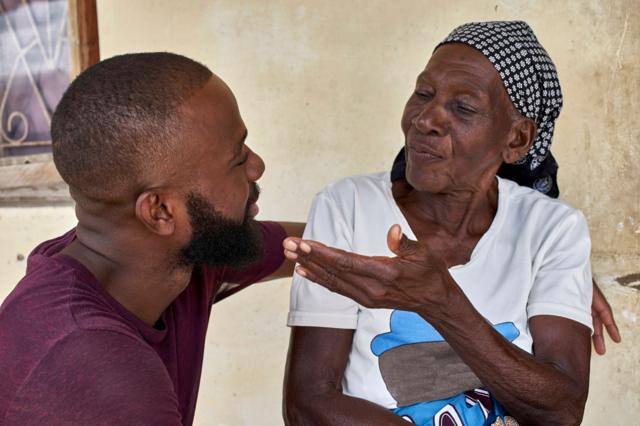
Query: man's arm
{"points": [[602, 316], [312, 388], [292, 229]]}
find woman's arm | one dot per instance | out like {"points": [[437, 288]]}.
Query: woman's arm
{"points": [[548, 387], [312, 385]]}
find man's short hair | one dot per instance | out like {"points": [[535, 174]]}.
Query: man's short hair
{"points": [[119, 118]]}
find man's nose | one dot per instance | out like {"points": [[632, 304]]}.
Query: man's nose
{"points": [[255, 166], [432, 120]]}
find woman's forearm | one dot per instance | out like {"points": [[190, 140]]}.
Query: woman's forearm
{"points": [[533, 389], [313, 375]]}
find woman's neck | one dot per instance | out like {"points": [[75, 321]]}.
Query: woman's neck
{"points": [[464, 212]]}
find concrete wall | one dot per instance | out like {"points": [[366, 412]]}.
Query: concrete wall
{"points": [[321, 86]]}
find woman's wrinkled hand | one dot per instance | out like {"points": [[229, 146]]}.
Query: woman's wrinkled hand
{"points": [[415, 280]]}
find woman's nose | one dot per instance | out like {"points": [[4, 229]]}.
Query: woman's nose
{"points": [[432, 119]]}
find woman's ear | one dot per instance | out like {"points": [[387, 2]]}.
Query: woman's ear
{"points": [[521, 136], [157, 210]]}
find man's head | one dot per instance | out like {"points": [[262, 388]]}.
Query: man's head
{"points": [[500, 75], [155, 142], [118, 118]]}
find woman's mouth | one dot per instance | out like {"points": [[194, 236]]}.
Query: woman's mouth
{"points": [[424, 154]]}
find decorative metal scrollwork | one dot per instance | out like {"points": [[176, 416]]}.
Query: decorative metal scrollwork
{"points": [[34, 72]]}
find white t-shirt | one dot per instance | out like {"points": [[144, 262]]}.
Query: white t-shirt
{"points": [[533, 260]]}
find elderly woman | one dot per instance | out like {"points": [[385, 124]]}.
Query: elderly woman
{"points": [[475, 308]]}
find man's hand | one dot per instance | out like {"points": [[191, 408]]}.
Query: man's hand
{"points": [[602, 315], [414, 280]]}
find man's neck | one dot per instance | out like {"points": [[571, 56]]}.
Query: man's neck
{"points": [[140, 278]]}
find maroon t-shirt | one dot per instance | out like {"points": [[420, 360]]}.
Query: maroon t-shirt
{"points": [[71, 354]]}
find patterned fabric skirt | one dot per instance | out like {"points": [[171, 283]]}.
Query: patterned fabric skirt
{"points": [[472, 408]]}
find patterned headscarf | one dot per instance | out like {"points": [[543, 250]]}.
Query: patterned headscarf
{"points": [[531, 81]]}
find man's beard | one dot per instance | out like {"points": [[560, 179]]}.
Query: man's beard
{"points": [[220, 241]]}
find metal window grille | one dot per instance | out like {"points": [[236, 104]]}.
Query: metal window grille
{"points": [[34, 72]]}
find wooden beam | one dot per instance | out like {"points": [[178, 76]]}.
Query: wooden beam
{"points": [[37, 184], [34, 196], [83, 35], [29, 175]]}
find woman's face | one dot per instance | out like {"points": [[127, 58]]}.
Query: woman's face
{"points": [[456, 123]]}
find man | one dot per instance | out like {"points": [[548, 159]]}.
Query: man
{"points": [[486, 318], [108, 325]]}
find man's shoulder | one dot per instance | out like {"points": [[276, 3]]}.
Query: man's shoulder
{"points": [[57, 294], [54, 245], [101, 370], [34, 333], [53, 308], [103, 349]]}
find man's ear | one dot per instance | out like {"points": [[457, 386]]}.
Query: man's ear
{"points": [[157, 211], [521, 136]]}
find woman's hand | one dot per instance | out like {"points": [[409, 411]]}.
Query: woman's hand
{"points": [[417, 279]]}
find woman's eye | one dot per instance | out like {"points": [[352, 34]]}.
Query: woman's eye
{"points": [[465, 109], [423, 95]]}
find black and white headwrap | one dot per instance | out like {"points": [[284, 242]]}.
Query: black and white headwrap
{"points": [[531, 81]]}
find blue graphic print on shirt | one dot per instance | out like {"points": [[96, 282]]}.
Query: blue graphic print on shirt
{"points": [[409, 331]]}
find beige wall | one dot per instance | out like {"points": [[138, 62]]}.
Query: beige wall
{"points": [[321, 86]]}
